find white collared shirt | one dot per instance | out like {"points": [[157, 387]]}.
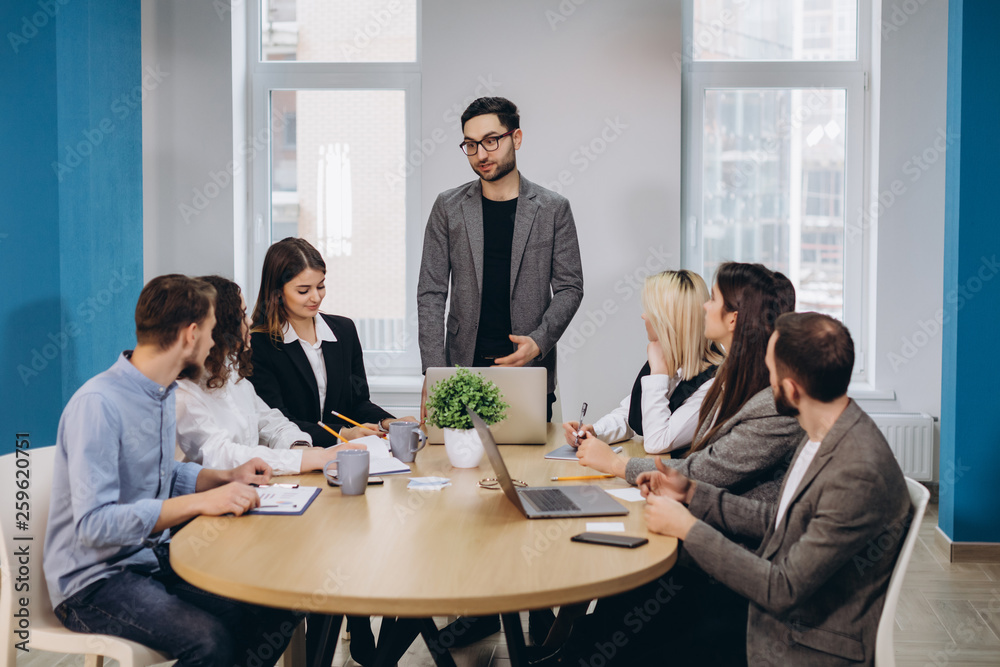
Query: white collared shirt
{"points": [[795, 476], [663, 430], [314, 353], [226, 427]]}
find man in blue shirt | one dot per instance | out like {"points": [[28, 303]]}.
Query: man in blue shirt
{"points": [[117, 491]]}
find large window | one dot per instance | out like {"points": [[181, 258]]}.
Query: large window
{"points": [[335, 97], [775, 143]]}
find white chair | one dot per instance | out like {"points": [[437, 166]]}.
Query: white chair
{"points": [[884, 650], [46, 632]]}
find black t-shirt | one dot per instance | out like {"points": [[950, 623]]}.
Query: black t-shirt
{"points": [[494, 311]]}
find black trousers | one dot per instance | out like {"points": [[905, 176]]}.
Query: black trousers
{"points": [[684, 618]]}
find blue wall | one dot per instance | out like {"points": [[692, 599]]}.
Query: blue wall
{"points": [[970, 408], [71, 233]]}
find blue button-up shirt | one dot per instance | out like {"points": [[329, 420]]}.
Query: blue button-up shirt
{"points": [[114, 468]]}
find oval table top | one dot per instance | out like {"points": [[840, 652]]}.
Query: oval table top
{"points": [[400, 552]]}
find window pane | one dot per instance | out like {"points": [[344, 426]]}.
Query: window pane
{"points": [[336, 181], [775, 30], [339, 31], [774, 187]]}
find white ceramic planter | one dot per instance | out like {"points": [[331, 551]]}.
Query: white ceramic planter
{"points": [[463, 447]]}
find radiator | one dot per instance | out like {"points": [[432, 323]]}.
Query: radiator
{"points": [[911, 438]]}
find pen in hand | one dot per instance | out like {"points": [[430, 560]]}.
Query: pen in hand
{"points": [[579, 430]]}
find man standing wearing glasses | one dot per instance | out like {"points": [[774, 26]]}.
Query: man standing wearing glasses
{"points": [[509, 250]]}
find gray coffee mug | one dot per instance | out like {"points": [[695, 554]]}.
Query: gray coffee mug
{"points": [[406, 439], [352, 471]]}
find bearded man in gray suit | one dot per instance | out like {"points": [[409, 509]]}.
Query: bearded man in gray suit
{"points": [[508, 250], [815, 599]]}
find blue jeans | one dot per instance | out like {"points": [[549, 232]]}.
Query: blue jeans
{"points": [[167, 614]]}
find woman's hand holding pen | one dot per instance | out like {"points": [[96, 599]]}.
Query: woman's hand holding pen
{"points": [[598, 455], [572, 429]]}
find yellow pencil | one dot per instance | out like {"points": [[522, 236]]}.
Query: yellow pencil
{"points": [[333, 432], [351, 421], [569, 479]]}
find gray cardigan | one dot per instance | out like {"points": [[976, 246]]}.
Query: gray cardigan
{"points": [[748, 456]]}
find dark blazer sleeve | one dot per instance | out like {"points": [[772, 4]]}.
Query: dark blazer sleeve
{"points": [[850, 512], [273, 381], [346, 382], [361, 403]]}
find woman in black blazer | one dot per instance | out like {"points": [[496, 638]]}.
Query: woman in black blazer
{"points": [[306, 364], [301, 355]]}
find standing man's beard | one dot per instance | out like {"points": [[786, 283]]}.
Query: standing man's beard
{"points": [[782, 406], [501, 170]]}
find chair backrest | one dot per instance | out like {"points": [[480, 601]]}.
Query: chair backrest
{"points": [[884, 649], [23, 580]]}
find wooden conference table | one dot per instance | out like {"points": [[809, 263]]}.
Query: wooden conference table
{"points": [[397, 552]]}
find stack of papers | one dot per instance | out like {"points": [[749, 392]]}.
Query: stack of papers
{"points": [[284, 500], [564, 453], [381, 460], [428, 483]]}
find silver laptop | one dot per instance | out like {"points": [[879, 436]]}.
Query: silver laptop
{"points": [[525, 389], [546, 502]]}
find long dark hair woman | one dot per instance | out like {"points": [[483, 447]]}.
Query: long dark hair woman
{"points": [[742, 444], [306, 363], [221, 422]]}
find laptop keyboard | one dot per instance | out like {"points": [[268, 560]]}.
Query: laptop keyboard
{"points": [[550, 500]]}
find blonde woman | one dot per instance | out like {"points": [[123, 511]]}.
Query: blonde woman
{"points": [[666, 397]]}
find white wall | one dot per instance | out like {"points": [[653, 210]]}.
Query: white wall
{"points": [[910, 229], [602, 68], [189, 129], [604, 61]]}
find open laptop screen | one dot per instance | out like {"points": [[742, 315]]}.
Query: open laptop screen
{"points": [[493, 452]]}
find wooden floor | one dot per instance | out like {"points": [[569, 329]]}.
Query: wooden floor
{"points": [[948, 614]]}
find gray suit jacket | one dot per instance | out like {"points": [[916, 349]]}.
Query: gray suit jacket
{"points": [[546, 279], [748, 456], [817, 584]]}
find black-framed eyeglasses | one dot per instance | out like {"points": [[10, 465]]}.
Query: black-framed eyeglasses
{"points": [[470, 147]]}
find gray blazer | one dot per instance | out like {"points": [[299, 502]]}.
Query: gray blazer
{"points": [[546, 278], [748, 456], [817, 584]]}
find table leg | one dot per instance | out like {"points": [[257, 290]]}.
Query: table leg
{"points": [[327, 631], [441, 655], [515, 639], [387, 637]]}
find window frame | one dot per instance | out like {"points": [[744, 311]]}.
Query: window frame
{"points": [[266, 76], [852, 76]]}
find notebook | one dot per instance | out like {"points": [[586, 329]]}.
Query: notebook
{"points": [[280, 500], [381, 461]]}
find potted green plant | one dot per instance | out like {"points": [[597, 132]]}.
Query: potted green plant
{"points": [[446, 403]]}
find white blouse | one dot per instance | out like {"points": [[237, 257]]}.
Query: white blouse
{"points": [[226, 427], [663, 431], [314, 353]]}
